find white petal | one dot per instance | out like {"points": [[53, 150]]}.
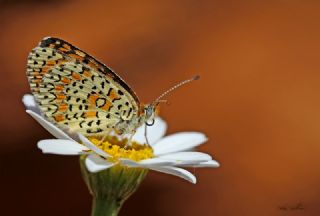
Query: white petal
{"points": [[95, 163], [187, 157], [156, 162], [61, 147], [92, 146], [177, 172], [154, 132], [54, 130], [147, 162], [179, 142], [211, 163], [30, 103], [128, 162]]}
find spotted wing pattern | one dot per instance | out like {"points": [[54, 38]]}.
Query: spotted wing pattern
{"points": [[76, 91]]}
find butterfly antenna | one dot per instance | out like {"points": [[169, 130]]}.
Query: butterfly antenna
{"points": [[158, 100]]}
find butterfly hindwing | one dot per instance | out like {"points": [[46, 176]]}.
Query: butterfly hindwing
{"points": [[75, 90]]}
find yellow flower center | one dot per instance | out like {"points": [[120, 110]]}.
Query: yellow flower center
{"points": [[119, 149]]}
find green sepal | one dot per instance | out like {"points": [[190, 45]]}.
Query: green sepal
{"points": [[110, 188]]}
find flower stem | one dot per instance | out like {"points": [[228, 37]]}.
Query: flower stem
{"points": [[104, 206], [110, 188]]}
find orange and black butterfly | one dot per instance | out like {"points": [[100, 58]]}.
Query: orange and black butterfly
{"points": [[76, 91]]}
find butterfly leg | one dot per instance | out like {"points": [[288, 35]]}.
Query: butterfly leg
{"points": [[129, 142], [102, 139], [145, 134], [104, 136]]}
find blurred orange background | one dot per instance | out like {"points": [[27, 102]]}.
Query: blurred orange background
{"points": [[257, 101]]}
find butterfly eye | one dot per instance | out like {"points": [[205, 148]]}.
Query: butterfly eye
{"points": [[149, 110], [150, 124]]}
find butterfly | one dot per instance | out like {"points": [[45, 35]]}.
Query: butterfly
{"points": [[77, 92]]}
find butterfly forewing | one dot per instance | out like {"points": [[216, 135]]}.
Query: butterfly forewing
{"points": [[75, 90]]}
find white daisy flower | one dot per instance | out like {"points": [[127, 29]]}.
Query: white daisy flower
{"points": [[166, 154]]}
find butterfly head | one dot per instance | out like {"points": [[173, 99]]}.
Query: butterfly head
{"points": [[149, 112]]}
